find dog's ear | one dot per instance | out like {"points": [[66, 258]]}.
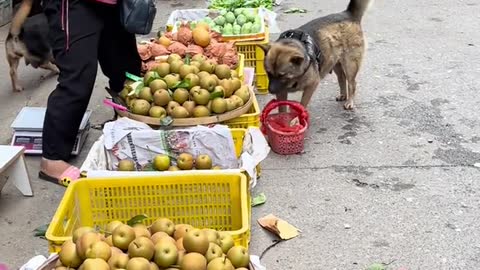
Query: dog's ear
{"points": [[264, 47], [297, 60]]}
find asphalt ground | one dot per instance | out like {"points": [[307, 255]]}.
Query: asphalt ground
{"points": [[393, 181]]}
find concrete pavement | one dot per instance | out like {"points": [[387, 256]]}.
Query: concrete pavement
{"points": [[393, 181]]}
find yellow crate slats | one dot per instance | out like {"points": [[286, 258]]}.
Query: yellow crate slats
{"points": [[254, 57], [215, 199]]}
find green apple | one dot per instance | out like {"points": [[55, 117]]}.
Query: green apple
{"points": [[163, 225], [185, 161], [141, 247], [122, 236], [138, 263], [226, 241], [196, 241], [99, 250], [166, 254], [214, 251], [220, 264], [239, 256], [161, 162]]}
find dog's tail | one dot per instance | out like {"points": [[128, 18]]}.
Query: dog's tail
{"points": [[358, 7], [20, 17]]}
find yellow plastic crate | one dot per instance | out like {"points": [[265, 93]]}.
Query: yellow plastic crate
{"points": [[254, 57], [241, 66], [238, 134], [206, 199], [250, 119]]}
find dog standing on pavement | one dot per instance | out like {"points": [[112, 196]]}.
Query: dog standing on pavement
{"points": [[300, 58], [27, 38]]}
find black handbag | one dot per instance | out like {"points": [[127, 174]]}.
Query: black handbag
{"points": [[137, 15]]}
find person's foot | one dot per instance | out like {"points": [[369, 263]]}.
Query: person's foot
{"points": [[58, 171]]}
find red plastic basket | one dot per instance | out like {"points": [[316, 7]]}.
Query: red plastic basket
{"points": [[283, 138]]}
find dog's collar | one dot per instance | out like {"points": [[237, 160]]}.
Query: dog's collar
{"points": [[313, 51]]}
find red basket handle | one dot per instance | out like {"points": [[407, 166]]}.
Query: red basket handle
{"points": [[273, 104]]}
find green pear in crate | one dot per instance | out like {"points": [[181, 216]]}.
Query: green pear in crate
{"points": [[105, 239], [162, 243]]}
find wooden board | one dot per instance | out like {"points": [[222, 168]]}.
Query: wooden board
{"points": [[183, 122], [8, 155]]}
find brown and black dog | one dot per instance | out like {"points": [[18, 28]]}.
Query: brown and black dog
{"points": [[300, 58], [27, 38]]}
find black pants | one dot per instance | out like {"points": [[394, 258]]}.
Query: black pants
{"points": [[88, 34]]}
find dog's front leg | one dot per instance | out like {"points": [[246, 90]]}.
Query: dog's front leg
{"points": [[306, 96], [308, 92], [282, 96], [13, 62]]}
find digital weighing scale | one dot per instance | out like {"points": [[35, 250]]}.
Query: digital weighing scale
{"points": [[28, 125]]}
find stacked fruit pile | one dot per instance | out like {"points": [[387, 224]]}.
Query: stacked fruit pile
{"points": [[240, 21], [185, 161], [163, 245], [188, 41], [184, 88]]}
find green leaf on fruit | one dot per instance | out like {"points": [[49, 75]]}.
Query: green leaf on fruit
{"points": [[183, 84], [152, 75], [216, 94], [259, 200], [137, 219], [133, 77], [187, 59], [295, 10], [41, 231]]}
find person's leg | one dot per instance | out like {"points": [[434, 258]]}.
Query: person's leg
{"points": [[80, 27], [117, 52]]}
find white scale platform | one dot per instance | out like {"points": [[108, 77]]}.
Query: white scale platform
{"points": [[28, 126]]}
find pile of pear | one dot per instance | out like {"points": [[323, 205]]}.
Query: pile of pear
{"points": [[186, 88], [162, 162], [162, 245]]}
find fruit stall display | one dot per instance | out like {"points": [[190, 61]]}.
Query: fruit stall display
{"points": [[162, 162], [192, 91], [168, 153], [161, 245], [156, 222], [245, 45], [188, 42], [184, 161], [232, 24]]}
